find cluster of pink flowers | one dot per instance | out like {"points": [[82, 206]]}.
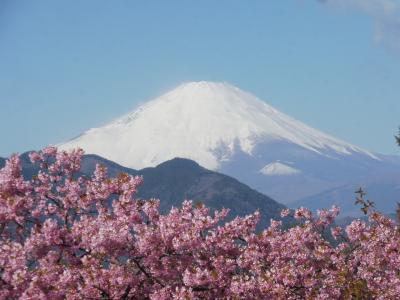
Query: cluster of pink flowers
{"points": [[66, 236]]}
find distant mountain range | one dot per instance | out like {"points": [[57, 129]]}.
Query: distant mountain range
{"points": [[384, 190], [178, 179], [233, 132]]}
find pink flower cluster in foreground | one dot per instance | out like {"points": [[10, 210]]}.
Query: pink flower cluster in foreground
{"points": [[65, 236]]}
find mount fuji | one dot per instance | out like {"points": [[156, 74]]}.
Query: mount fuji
{"points": [[226, 129]]}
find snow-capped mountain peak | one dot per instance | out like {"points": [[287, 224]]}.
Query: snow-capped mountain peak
{"points": [[278, 168], [208, 122]]}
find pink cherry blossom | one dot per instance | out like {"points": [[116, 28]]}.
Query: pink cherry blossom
{"points": [[66, 236]]}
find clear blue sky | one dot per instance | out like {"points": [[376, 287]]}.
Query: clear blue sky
{"points": [[66, 66]]}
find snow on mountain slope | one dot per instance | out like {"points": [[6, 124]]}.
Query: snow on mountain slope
{"points": [[278, 168], [205, 121]]}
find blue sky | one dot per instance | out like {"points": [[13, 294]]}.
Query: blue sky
{"points": [[66, 66]]}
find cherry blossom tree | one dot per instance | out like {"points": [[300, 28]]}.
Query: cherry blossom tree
{"points": [[64, 235]]}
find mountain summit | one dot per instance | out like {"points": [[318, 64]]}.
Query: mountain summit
{"points": [[205, 121], [224, 128]]}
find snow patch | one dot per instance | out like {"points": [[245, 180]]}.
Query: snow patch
{"points": [[279, 168]]}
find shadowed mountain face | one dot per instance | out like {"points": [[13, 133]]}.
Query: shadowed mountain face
{"points": [[323, 181], [178, 179]]}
